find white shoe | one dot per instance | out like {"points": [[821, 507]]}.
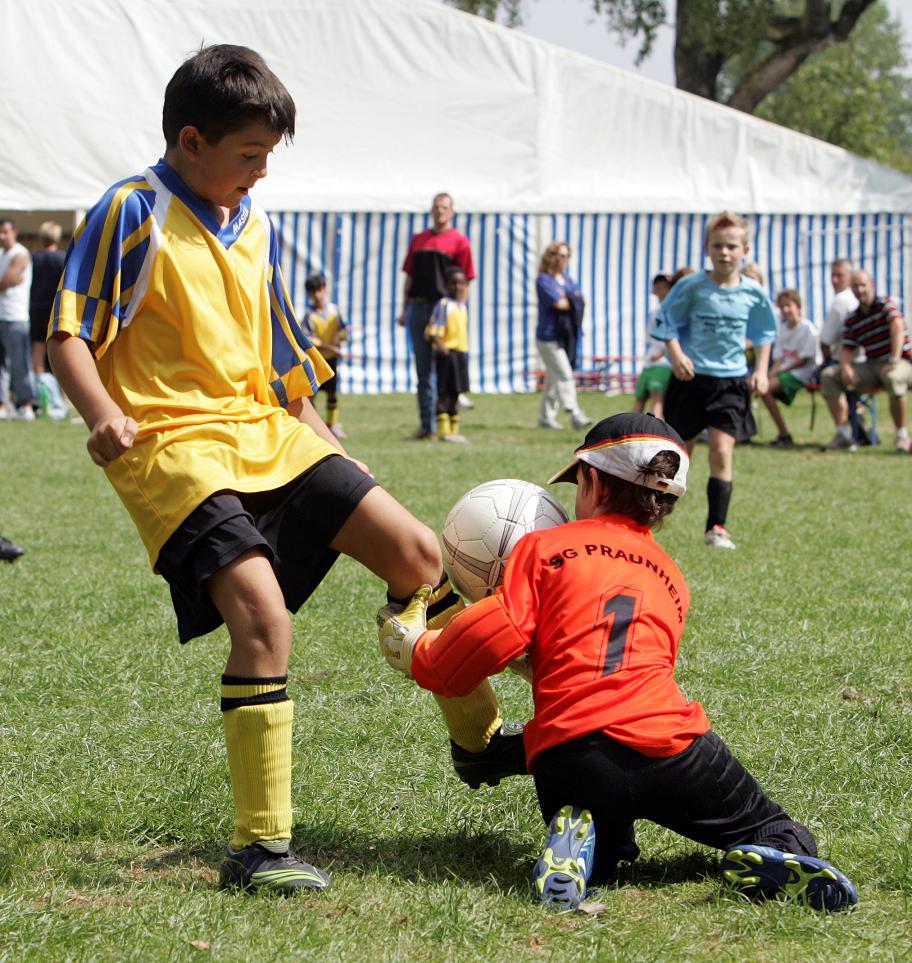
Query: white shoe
{"points": [[455, 439], [580, 420], [338, 431], [718, 537], [557, 426], [25, 413], [840, 442], [903, 443], [465, 402]]}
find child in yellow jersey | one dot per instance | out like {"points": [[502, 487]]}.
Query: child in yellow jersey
{"points": [[448, 330], [324, 326], [173, 335]]}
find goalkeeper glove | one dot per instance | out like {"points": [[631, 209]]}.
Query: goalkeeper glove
{"points": [[400, 628]]}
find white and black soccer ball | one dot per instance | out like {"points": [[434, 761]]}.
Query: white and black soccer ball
{"points": [[485, 524]]}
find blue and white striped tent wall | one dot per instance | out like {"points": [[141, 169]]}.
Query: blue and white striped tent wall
{"points": [[614, 259]]}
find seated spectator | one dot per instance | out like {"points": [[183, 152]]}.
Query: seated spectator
{"points": [[653, 379], [795, 357], [876, 326], [753, 270]]}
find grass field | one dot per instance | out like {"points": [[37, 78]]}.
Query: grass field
{"points": [[114, 799]]}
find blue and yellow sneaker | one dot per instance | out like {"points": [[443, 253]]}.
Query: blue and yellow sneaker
{"points": [[563, 869], [257, 868], [767, 873]]}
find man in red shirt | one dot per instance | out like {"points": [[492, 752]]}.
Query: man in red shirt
{"points": [[599, 609], [431, 253]]}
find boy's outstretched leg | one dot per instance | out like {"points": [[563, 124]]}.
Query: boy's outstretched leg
{"points": [[767, 873], [257, 716], [387, 539]]}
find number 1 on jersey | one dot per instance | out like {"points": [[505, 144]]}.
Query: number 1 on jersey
{"points": [[618, 613]]}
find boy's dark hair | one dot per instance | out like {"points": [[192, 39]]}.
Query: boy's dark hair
{"points": [[646, 506], [5, 219], [223, 88], [314, 283], [452, 271]]}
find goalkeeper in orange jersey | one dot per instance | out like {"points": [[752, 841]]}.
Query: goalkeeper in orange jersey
{"points": [[599, 609]]}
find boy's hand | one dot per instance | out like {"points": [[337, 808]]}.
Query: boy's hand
{"points": [[110, 438], [759, 381], [399, 629], [682, 368]]}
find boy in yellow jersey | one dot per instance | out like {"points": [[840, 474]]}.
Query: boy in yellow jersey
{"points": [[323, 324], [448, 330], [173, 335]]}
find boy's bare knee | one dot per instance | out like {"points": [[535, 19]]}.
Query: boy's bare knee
{"points": [[260, 641], [421, 561]]}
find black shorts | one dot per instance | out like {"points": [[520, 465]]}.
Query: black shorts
{"points": [[331, 386], [707, 402], [293, 525], [702, 793], [452, 375]]}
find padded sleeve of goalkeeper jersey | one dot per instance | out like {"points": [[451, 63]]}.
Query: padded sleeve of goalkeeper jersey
{"points": [[478, 642]]}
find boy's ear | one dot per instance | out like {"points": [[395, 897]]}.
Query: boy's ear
{"points": [[190, 141], [594, 480], [601, 486]]}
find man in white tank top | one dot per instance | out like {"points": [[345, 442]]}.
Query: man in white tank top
{"points": [[15, 284]]}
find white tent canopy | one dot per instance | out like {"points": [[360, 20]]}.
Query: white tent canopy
{"points": [[396, 99]]}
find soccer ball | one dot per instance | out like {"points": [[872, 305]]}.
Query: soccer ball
{"points": [[485, 524]]}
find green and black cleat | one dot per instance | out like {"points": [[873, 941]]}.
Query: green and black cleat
{"points": [[505, 755], [256, 868]]}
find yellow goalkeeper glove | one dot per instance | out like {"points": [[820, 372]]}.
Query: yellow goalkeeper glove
{"points": [[399, 629]]}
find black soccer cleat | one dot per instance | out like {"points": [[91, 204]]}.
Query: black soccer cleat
{"points": [[505, 755], [9, 551], [256, 868]]}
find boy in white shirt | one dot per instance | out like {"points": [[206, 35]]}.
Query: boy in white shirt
{"points": [[796, 355]]}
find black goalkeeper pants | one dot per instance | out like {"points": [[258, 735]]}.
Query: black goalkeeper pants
{"points": [[703, 793]]}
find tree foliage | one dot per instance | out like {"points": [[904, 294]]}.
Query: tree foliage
{"points": [[772, 37], [857, 95]]}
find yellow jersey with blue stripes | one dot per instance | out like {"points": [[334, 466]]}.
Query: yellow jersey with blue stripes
{"points": [[450, 323], [194, 337], [325, 328]]}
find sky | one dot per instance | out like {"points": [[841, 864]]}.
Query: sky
{"points": [[572, 24]]}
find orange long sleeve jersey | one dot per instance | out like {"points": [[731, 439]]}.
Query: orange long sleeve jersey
{"points": [[600, 609]]}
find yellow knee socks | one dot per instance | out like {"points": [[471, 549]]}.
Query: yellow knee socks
{"points": [[471, 720], [257, 716]]}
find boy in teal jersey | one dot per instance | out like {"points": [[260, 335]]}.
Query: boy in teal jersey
{"points": [[705, 322], [173, 335]]}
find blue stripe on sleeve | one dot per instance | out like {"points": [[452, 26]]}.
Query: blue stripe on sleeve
{"points": [[107, 226]]}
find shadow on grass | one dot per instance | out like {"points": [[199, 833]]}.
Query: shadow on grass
{"points": [[489, 858], [494, 860], [656, 873]]}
